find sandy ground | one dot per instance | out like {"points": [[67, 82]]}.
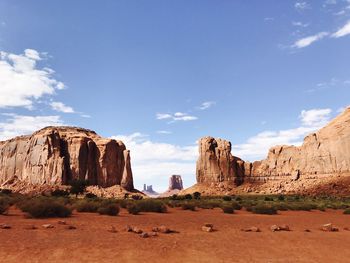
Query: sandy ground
{"points": [[91, 242]]}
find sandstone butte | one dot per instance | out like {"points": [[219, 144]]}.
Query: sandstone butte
{"points": [[56, 155], [175, 186], [322, 159]]}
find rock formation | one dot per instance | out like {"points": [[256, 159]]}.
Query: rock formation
{"points": [[216, 164], [323, 154], [56, 155], [175, 183], [148, 190]]}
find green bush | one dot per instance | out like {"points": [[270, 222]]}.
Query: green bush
{"points": [[227, 198], [137, 197], [151, 205], [90, 196], [78, 186], [268, 199], [133, 209], [4, 205], [280, 197], [264, 209], [227, 209], [59, 192], [347, 211], [236, 206], [188, 206], [44, 208], [87, 206], [196, 195], [108, 209], [188, 197]]}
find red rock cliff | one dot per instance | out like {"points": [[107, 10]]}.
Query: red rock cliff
{"points": [[56, 155]]}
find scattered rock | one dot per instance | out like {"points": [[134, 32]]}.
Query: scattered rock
{"points": [[307, 230], [208, 227], [251, 229], [70, 227], [62, 222], [163, 229], [329, 228], [5, 226], [144, 235], [275, 228], [133, 229], [47, 226]]}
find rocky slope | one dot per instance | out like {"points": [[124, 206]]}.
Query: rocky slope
{"points": [[56, 155], [323, 157]]}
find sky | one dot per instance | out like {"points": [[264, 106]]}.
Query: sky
{"points": [[160, 74]]}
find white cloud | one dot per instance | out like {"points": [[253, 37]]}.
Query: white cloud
{"points": [[60, 107], [153, 162], [345, 30], [300, 24], [206, 105], [301, 6], [315, 117], [19, 125], [22, 82], [257, 146], [269, 19], [304, 42], [164, 132], [177, 116]]}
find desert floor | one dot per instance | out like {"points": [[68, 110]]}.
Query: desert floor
{"points": [[92, 242]]}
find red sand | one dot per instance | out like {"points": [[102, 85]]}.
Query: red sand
{"points": [[91, 242]]}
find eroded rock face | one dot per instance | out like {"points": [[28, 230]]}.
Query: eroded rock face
{"points": [[324, 152], [56, 155], [216, 164], [175, 183]]}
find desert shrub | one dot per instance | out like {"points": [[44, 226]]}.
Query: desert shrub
{"points": [[280, 197], [188, 206], [44, 208], [4, 205], [264, 209], [123, 203], [268, 199], [188, 197], [347, 211], [78, 186], [197, 195], [173, 197], [90, 196], [227, 198], [108, 209], [59, 192], [209, 204], [238, 199], [133, 209], [87, 206], [151, 205], [236, 206], [227, 209], [302, 206], [6, 191], [137, 197]]}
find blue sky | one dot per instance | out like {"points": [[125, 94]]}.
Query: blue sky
{"points": [[161, 74]]}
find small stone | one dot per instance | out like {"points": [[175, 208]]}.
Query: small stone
{"points": [[209, 225], [153, 234], [71, 227], [274, 228], [47, 226], [251, 229], [144, 235], [112, 230], [307, 230], [329, 228], [162, 229], [284, 228], [137, 230], [207, 229], [128, 228], [62, 222], [5, 226]]}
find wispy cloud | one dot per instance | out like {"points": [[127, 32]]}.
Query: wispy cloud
{"points": [[206, 105], [301, 6], [20, 124], [61, 107], [164, 132], [299, 24], [343, 31], [177, 116], [257, 146], [307, 41]]}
